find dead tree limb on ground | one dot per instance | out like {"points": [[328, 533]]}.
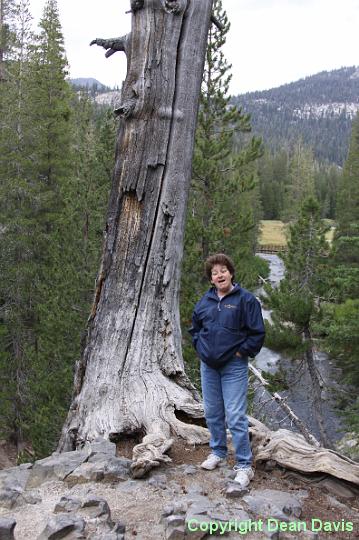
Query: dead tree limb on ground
{"points": [[292, 451]]}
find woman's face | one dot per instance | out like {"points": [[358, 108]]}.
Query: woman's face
{"points": [[221, 278]]}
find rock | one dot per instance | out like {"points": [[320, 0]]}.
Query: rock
{"points": [[176, 533], [114, 469], [197, 525], [338, 488], [70, 527], [96, 507], [100, 446], [177, 507], [272, 535], [67, 504], [119, 528], [7, 526], [199, 509], [195, 489], [174, 520], [273, 503], [9, 496], [12, 485], [86, 472], [190, 469], [219, 514], [29, 497], [337, 504], [158, 481], [109, 536], [234, 490], [98, 468], [15, 475], [55, 467]]}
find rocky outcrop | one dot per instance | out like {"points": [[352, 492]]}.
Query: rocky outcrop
{"points": [[91, 495]]}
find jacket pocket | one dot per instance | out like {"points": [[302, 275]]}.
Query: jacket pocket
{"points": [[230, 318]]}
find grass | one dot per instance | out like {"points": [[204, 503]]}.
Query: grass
{"points": [[273, 232]]}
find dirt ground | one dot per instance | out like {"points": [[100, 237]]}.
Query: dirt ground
{"points": [[318, 505], [139, 504]]}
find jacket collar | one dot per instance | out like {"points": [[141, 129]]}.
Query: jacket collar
{"points": [[212, 292]]}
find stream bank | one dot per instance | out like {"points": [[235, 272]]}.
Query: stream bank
{"points": [[298, 394]]}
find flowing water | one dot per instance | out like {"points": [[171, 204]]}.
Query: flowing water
{"points": [[299, 391]]}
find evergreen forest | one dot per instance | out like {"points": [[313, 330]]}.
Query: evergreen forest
{"points": [[57, 150]]}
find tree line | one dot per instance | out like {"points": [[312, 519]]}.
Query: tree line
{"points": [[56, 162], [318, 109]]}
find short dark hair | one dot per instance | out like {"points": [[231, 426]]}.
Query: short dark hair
{"points": [[218, 258]]}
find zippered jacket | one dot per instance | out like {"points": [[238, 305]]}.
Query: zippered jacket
{"points": [[222, 327]]}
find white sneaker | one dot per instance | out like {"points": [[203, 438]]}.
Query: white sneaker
{"points": [[212, 462], [243, 476]]}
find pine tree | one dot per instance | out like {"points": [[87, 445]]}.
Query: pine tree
{"points": [[18, 201], [341, 315], [222, 205], [50, 370], [294, 302], [301, 181], [273, 178]]}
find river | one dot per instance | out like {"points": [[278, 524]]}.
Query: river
{"points": [[299, 391]]}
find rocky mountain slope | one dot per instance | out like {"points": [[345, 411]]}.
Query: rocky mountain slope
{"points": [[319, 109]]}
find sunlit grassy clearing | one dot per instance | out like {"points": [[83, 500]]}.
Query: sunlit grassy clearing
{"points": [[273, 232]]}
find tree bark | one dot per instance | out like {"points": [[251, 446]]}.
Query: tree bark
{"points": [[316, 387], [131, 377], [292, 451]]}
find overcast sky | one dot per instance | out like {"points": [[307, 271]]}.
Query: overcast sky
{"points": [[271, 42]]}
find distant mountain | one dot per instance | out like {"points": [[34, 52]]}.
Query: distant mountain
{"points": [[319, 109], [89, 83]]}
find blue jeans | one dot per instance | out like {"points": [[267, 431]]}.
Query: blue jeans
{"points": [[225, 403]]}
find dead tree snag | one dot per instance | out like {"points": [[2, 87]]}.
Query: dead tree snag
{"points": [[131, 377]]}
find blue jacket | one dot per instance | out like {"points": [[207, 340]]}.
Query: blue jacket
{"points": [[222, 327]]}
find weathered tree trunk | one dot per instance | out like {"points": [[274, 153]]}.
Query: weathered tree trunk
{"points": [[317, 392], [131, 378]]}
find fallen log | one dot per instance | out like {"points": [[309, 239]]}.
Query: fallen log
{"points": [[292, 451]]}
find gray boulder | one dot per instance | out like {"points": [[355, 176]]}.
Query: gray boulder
{"points": [[12, 485], [176, 533], [67, 504], [273, 503], [100, 446], [95, 507], [158, 481], [55, 467], [66, 526], [7, 526], [9, 496], [234, 490], [100, 468]]}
